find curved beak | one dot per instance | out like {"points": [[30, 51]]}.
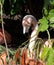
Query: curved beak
{"points": [[25, 29]]}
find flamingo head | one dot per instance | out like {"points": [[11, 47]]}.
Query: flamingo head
{"points": [[28, 23]]}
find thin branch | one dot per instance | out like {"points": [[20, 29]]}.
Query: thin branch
{"points": [[48, 35], [4, 33]]}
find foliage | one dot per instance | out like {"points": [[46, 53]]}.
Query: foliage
{"points": [[43, 24], [13, 56], [2, 48], [51, 13], [2, 1], [50, 58], [48, 55], [47, 20], [15, 6], [44, 53]]}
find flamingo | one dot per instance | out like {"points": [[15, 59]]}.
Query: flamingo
{"points": [[27, 22]]}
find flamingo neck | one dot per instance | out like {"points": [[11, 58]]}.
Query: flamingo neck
{"points": [[34, 32], [32, 41]]}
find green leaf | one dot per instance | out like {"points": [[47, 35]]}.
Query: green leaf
{"points": [[12, 12], [50, 60], [52, 2], [2, 1], [14, 1], [51, 20], [52, 25], [43, 24], [43, 20], [43, 28], [44, 53], [45, 11], [2, 48], [51, 13]]}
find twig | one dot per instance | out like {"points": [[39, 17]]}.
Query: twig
{"points": [[48, 35], [4, 32]]}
